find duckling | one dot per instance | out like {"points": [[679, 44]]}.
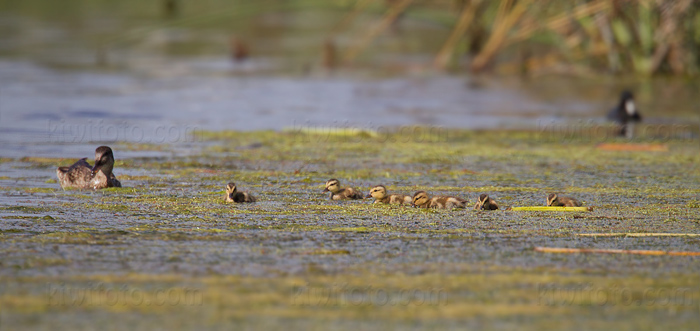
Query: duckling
{"points": [[557, 201], [337, 193], [379, 194], [422, 200], [232, 195], [82, 176], [485, 203], [625, 112]]}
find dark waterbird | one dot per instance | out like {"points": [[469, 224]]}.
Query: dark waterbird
{"points": [[82, 176], [625, 112]]}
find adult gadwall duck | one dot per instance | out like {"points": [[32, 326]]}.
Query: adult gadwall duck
{"points": [[83, 176]]}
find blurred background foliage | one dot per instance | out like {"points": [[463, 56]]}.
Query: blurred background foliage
{"points": [[529, 37]]}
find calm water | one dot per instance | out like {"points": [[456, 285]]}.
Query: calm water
{"points": [[75, 75]]}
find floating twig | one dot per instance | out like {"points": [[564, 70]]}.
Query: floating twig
{"points": [[612, 251], [622, 234], [633, 147], [543, 208]]}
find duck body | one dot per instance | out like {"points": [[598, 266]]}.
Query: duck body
{"points": [[81, 175], [338, 193], [625, 112], [421, 199], [486, 203], [380, 196], [555, 200], [233, 195]]}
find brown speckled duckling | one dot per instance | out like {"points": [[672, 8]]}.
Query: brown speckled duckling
{"points": [[379, 194], [338, 193], [232, 195], [485, 203], [422, 200], [82, 176], [556, 201]]}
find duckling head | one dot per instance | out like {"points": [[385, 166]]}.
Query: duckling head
{"points": [[420, 198], [332, 185], [551, 199], [231, 188], [104, 160], [482, 200], [377, 192], [483, 197]]}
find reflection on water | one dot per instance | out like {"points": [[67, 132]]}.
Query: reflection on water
{"points": [[76, 74]]}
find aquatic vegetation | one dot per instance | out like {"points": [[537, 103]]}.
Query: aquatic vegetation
{"points": [[169, 226]]}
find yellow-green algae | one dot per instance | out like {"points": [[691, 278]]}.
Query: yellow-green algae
{"points": [[549, 300], [482, 261]]}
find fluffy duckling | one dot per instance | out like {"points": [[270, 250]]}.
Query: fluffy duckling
{"points": [[379, 194], [338, 193], [625, 112], [557, 201], [422, 200], [485, 203], [82, 176], [232, 195]]}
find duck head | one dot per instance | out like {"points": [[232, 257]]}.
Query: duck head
{"points": [[420, 198], [332, 185], [104, 160], [231, 189], [628, 105], [482, 200], [552, 198], [377, 192]]}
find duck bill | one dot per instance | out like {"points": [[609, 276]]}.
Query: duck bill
{"points": [[368, 196], [325, 190], [98, 165]]}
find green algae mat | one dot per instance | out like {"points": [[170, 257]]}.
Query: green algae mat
{"points": [[166, 250]]}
